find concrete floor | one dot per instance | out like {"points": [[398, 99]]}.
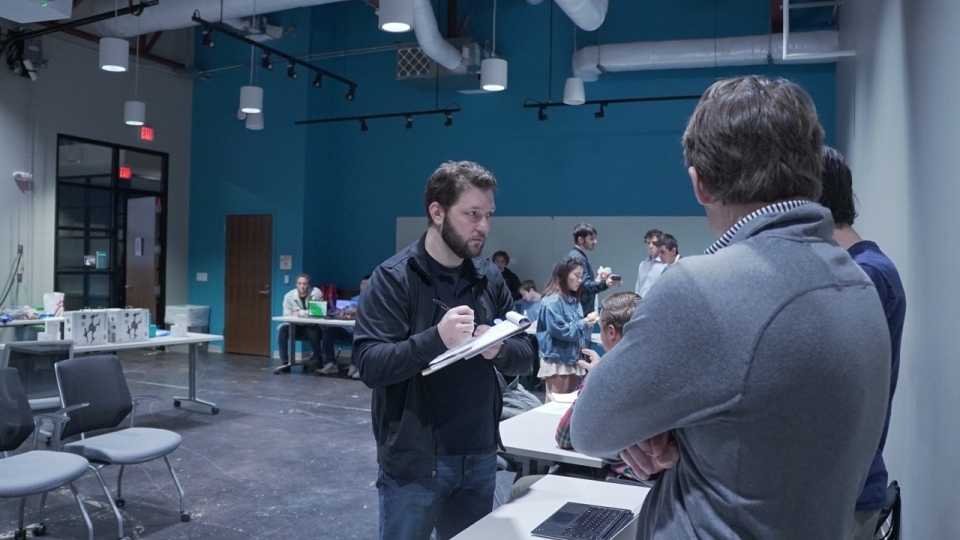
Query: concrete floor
{"points": [[289, 456]]}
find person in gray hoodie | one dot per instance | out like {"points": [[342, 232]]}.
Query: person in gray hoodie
{"points": [[774, 391]]}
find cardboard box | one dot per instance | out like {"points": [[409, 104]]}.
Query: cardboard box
{"points": [[128, 325], [86, 327]]}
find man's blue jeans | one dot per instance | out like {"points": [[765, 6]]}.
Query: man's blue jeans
{"points": [[332, 334], [304, 331], [458, 495]]}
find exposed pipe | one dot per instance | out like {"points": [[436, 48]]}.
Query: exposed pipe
{"points": [[587, 14], [429, 38], [174, 14], [590, 62]]}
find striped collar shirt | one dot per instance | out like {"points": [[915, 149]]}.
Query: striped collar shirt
{"points": [[727, 237]]}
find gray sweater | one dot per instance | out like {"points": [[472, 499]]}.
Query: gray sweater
{"points": [[770, 362]]}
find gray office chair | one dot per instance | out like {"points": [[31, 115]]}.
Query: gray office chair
{"points": [[99, 381], [36, 471]]}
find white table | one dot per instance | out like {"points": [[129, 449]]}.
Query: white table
{"points": [[194, 340], [530, 436], [293, 321], [516, 519], [32, 322]]}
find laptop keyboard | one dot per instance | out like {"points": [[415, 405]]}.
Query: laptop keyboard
{"points": [[594, 523]]}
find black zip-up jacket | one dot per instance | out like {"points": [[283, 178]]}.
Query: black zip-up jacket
{"points": [[395, 339]]}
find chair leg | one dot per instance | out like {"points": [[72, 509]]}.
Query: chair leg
{"points": [[113, 505], [20, 532], [184, 516], [119, 498], [43, 506], [86, 517]]}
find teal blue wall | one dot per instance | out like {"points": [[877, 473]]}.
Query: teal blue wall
{"points": [[627, 163], [238, 171]]}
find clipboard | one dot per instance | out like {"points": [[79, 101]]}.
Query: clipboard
{"points": [[514, 324]]}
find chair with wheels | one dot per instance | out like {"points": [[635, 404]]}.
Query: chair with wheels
{"points": [[35, 471], [99, 381]]}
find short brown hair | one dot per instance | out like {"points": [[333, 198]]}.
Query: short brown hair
{"points": [[617, 309], [302, 276], [755, 140], [451, 179]]}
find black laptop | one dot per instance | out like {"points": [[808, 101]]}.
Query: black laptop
{"points": [[576, 521]]}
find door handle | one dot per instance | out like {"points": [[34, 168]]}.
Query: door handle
{"points": [[265, 293]]}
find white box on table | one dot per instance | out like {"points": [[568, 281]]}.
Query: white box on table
{"points": [[128, 325], [86, 327]]}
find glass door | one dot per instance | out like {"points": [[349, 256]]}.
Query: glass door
{"points": [[111, 226]]}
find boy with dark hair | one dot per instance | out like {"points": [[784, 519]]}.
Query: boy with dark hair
{"points": [[530, 305], [585, 239], [501, 259], [838, 197], [651, 266]]}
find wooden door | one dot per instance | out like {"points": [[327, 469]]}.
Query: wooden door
{"points": [[141, 254], [247, 328]]}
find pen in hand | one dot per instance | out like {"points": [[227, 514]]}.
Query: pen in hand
{"points": [[446, 308]]}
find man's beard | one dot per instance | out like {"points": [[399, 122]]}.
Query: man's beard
{"points": [[460, 247]]}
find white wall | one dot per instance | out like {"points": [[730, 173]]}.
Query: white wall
{"points": [[73, 97], [536, 243], [898, 126]]}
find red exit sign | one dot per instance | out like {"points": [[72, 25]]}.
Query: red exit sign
{"points": [[125, 172], [146, 133]]}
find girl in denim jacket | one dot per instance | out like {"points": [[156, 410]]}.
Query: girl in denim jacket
{"points": [[562, 330]]}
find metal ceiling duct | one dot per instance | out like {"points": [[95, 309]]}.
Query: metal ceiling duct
{"points": [[587, 14], [590, 62]]}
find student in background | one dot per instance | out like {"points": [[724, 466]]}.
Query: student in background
{"points": [[501, 259], [530, 305], [617, 309], [437, 434], [838, 197], [295, 302], [651, 265], [781, 364], [584, 240], [562, 330], [341, 334], [668, 250]]}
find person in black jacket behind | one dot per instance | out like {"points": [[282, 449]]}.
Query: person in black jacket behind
{"points": [[585, 239], [501, 259], [437, 435]]}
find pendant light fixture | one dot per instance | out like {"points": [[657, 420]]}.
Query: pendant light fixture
{"points": [[493, 70], [114, 52], [251, 97], [395, 15], [254, 121], [135, 112], [573, 93]]}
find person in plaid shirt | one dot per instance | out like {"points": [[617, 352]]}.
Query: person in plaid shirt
{"points": [[616, 310]]}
